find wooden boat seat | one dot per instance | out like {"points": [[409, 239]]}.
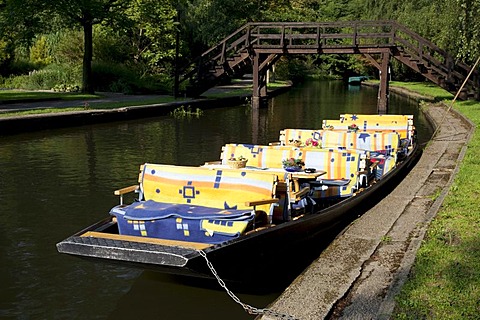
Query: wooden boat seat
{"points": [[368, 141], [338, 164], [404, 121], [228, 201], [365, 126], [287, 136]]}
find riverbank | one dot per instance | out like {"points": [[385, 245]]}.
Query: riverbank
{"points": [[53, 114], [360, 275]]}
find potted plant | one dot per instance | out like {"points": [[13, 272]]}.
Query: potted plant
{"points": [[293, 165], [312, 143], [295, 142], [238, 162], [352, 128]]}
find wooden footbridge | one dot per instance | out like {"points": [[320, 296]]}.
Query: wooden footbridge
{"points": [[255, 47]]}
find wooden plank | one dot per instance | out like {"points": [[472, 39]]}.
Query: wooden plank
{"points": [[165, 242]]}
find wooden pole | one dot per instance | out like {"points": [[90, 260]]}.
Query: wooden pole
{"points": [[382, 105], [256, 82]]}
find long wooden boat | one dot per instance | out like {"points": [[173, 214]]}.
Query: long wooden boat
{"points": [[271, 254]]}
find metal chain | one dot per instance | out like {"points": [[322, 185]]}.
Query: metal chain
{"points": [[248, 308]]}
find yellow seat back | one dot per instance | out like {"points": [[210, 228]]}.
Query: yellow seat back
{"points": [[205, 187], [369, 141], [302, 135], [258, 155]]}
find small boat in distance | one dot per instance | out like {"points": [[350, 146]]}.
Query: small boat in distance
{"points": [[356, 81], [251, 215]]}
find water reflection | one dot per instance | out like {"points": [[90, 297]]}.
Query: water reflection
{"points": [[54, 183], [168, 296]]}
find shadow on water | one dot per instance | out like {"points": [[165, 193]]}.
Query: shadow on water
{"points": [[163, 296]]}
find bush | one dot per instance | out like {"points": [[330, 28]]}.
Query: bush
{"points": [[107, 77], [50, 77], [292, 69], [21, 66], [110, 77], [119, 78]]}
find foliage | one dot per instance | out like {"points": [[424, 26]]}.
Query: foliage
{"points": [[110, 77], [141, 34], [181, 112], [110, 45], [153, 32], [68, 47], [40, 52], [294, 69], [47, 78]]}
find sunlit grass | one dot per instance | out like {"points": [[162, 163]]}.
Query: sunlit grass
{"points": [[90, 106], [445, 279], [9, 95], [427, 89]]}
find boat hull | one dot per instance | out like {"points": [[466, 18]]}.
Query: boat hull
{"points": [[272, 256]]}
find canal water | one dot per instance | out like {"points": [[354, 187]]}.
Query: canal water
{"points": [[54, 183]]}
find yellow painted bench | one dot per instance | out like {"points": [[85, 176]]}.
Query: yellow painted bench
{"points": [[368, 141], [349, 166], [194, 203], [288, 136]]}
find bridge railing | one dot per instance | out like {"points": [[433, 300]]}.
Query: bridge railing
{"points": [[237, 41], [291, 35], [317, 35], [312, 37], [436, 58]]}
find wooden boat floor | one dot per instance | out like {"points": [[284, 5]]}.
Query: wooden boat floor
{"points": [[165, 242]]}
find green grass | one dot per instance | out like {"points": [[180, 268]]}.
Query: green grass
{"points": [[10, 95], [88, 106], [424, 88], [445, 279]]}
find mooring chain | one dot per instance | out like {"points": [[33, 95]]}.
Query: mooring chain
{"points": [[248, 308]]}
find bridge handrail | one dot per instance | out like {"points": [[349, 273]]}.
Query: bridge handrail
{"points": [[458, 68], [269, 35], [219, 50]]}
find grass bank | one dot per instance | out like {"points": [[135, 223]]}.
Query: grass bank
{"points": [[26, 95], [86, 102], [445, 280]]}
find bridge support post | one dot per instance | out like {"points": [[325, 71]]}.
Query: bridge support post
{"points": [[259, 95], [382, 104]]}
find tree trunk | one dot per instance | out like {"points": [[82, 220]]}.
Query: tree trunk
{"points": [[87, 85]]}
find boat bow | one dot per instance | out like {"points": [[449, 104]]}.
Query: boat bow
{"points": [[127, 251]]}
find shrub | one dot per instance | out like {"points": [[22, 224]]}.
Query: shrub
{"points": [[292, 69], [40, 52], [119, 78], [50, 77]]}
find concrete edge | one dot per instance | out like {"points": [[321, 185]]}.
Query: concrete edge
{"points": [[400, 276], [388, 305]]}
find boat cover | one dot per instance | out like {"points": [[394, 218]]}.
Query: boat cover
{"points": [[181, 221]]}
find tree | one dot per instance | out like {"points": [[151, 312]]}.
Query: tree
{"points": [[152, 32], [85, 14]]}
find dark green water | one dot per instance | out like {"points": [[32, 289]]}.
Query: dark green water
{"points": [[54, 183]]}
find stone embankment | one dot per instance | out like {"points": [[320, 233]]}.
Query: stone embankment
{"points": [[360, 273]]}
